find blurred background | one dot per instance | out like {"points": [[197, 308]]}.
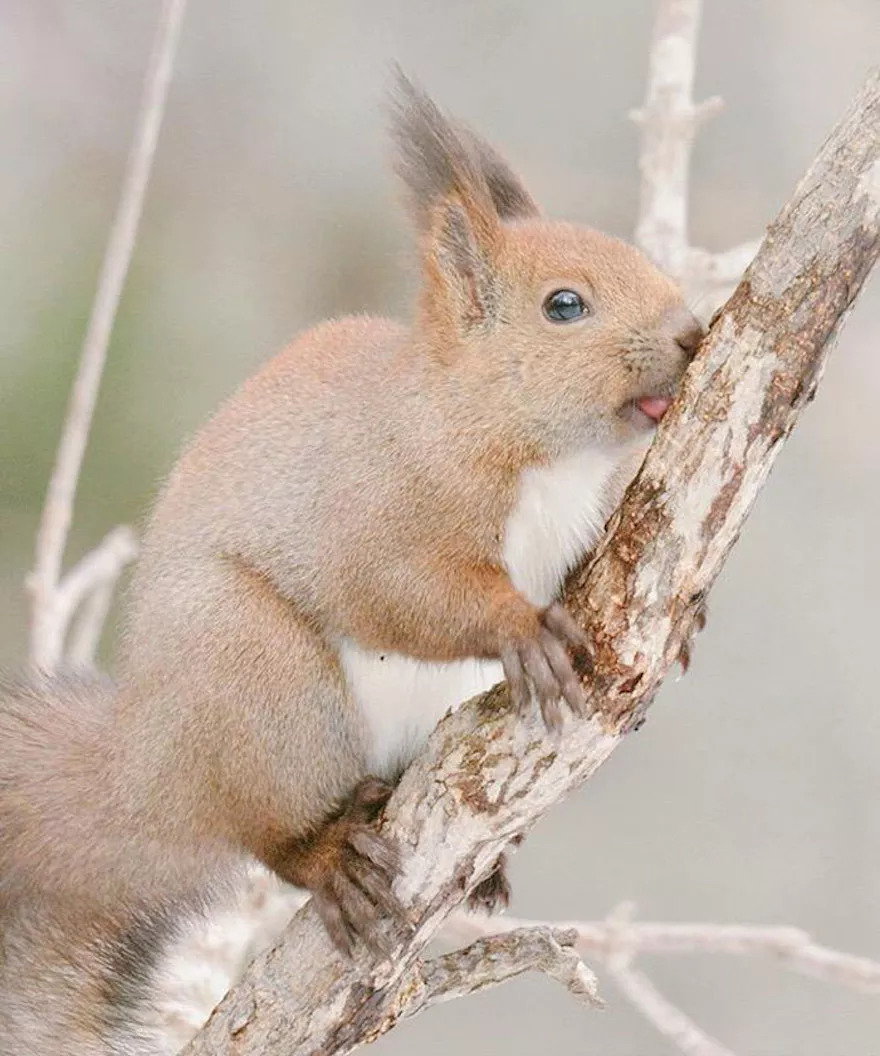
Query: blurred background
{"points": [[753, 793]]}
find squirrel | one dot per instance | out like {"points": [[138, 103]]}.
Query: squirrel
{"points": [[373, 529]]}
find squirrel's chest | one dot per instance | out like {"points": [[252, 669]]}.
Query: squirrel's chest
{"points": [[557, 518]]}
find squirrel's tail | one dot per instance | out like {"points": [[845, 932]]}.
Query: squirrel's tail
{"points": [[77, 953]]}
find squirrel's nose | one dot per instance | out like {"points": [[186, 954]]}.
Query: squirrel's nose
{"points": [[689, 333]]}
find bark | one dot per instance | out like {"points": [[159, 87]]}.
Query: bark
{"points": [[487, 775]]}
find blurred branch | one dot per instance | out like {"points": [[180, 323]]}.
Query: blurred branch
{"points": [[667, 1018], [618, 940], [87, 591], [487, 773], [51, 596], [669, 120]]}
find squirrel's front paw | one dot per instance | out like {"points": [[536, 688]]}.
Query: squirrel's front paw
{"points": [[543, 665]]}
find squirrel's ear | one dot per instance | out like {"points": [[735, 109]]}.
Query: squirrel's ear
{"points": [[459, 192], [459, 261]]}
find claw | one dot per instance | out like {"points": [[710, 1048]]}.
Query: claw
{"points": [[515, 675], [564, 673], [562, 624], [376, 849], [375, 886], [370, 796], [545, 664], [492, 893], [333, 920]]}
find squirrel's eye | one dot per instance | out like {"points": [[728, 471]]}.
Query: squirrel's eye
{"points": [[564, 306]]}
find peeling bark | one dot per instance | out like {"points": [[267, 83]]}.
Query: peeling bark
{"points": [[487, 775]]}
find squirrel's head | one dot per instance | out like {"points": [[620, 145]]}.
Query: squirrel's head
{"points": [[577, 337]]}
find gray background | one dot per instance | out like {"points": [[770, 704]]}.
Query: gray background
{"points": [[752, 793]]}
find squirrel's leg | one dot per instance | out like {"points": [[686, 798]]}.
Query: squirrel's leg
{"points": [[288, 778]]}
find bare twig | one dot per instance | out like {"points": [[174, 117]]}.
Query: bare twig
{"points": [[487, 773], [93, 576], [720, 271], [494, 959], [666, 1018], [87, 590], [669, 119], [50, 615], [790, 947]]}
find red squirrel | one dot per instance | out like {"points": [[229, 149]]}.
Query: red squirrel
{"points": [[371, 530]]}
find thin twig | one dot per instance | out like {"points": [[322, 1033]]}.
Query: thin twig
{"points": [[494, 959], [96, 574], [48, 628], [790, 947], [617, 941], [669, 118], [89, 588], [666, 1018], [705, 269], [84, 635]]}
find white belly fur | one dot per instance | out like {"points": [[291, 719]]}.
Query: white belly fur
{"points": [[558, 518]]}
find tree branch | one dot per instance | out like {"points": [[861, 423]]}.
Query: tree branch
{"points": [[487, 774], [87, 591], [489, 961], [50, 615]]}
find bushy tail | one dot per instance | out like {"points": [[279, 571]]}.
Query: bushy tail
{"points": [[76, 953]]}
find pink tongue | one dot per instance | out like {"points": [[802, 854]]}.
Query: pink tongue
{"points": [[654, 406]]}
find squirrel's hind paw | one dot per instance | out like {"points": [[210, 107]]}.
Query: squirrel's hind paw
{"points": [[350, 869], [492, 893]]}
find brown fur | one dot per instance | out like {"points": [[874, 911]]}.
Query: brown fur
{"points": [[357, 488]]}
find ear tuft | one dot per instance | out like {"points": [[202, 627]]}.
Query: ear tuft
{"points": [[432, 159], [438, 158], [509, 196]]}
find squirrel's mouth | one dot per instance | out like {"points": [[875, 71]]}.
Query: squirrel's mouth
{"points": [[644, 413], [654, 407]]}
